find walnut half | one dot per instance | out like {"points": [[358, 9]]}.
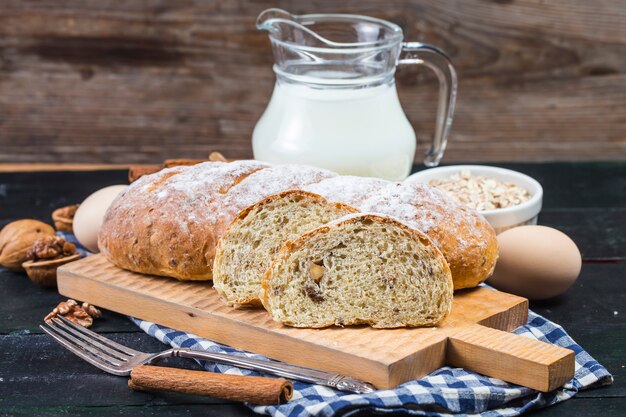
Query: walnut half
{"points": [[82, 315], [46, 255], [63, 218]]}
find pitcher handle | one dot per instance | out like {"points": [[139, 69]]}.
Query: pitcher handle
{"points": [[424, 54]]}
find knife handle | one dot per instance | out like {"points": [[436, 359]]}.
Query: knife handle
{"points": [[252, 389]]}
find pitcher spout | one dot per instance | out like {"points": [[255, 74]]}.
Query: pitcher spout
{"points": [[286, 27], [270, 19]]}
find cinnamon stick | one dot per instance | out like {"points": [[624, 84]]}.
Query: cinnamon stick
{"points": [[253, 389]]}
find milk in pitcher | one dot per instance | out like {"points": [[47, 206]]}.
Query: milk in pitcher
{"points": [[355, 131]]}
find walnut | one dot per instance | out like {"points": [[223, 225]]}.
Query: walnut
{"points": [[66, 306], [82, 315], [91, 310], [317, 272], [64, 218], [16, 238], [50, 247]]}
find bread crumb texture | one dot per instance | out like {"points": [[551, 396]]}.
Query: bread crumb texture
{"points": [[361, 269]]}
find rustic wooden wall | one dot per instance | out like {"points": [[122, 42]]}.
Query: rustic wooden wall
{"points": [[141, 80]]}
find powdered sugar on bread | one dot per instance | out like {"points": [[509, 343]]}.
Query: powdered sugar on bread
{"points": [[347, 189], [273, 180]]}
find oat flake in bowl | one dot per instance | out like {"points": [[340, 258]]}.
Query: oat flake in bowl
{"points": [[481, 192], [506, 198]]}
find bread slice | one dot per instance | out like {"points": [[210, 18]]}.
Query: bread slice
{"points": [[250, 243], [360, 269]]}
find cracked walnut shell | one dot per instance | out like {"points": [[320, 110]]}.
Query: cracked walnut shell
{"points": [[44, 272], [64, 218]]}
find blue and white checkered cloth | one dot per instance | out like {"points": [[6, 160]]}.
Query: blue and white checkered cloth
{"points": [[445, 392]]}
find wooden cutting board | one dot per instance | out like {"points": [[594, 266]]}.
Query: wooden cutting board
{"points": [[475, 335]]}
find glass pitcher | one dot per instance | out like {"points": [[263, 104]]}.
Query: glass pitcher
{"points": [[335, 104]]}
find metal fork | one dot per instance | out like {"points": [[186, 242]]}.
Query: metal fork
{"points": [[118, 359]]}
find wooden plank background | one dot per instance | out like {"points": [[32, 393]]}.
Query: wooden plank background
{"points": [[104, 81]]}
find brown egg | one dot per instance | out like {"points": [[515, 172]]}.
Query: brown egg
{"points": [[536, 262]]}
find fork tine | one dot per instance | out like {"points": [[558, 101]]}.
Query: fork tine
{"points": [[85, 355], [87, 349], [91, 341], [93, 335]]}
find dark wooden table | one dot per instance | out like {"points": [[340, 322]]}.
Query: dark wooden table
{"points": [[38, 377]]}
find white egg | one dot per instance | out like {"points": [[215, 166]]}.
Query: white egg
{"points": [[536, 262], [90, 213]]}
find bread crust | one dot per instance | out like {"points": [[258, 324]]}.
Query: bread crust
{"points": [[291, 246], [283, 194]]}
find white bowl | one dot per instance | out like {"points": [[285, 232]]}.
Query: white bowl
{"points": [[504, 218]]}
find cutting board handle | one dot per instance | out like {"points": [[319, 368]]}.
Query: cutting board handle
{"points": [[510, 357]]}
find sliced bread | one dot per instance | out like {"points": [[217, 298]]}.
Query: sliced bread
{"points": [[250, 243], [360, 269]]}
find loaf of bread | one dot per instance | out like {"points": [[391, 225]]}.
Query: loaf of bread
{"points": [[169, 223], [247, 248], [360, 269]]}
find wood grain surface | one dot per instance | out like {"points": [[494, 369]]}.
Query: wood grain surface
{"points": [[141, 81], [385, 358]]}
